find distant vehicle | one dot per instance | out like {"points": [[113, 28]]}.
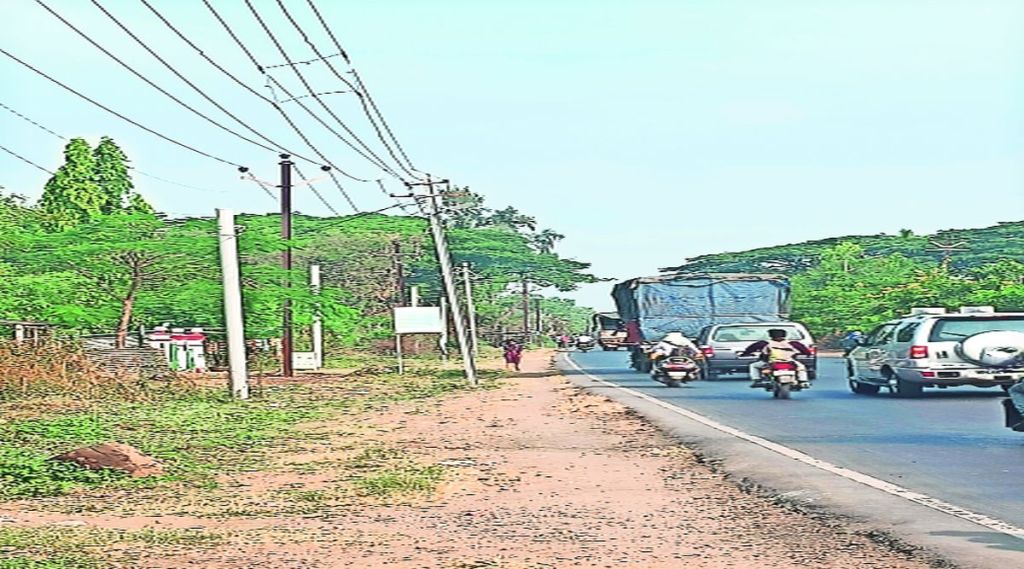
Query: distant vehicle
{"points": [[931, 348], [611, 333], [651, 307], [722, 344], [585, 343]]}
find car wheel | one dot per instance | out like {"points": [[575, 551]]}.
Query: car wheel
{"points": [[906, 389], [862, 388]]}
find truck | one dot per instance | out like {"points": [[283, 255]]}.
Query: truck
{"points": [[651, 307], [609, 330]]}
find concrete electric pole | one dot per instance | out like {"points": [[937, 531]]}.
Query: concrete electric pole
{"points": [[230, 274]]}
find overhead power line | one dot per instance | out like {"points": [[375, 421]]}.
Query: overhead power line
{"points": [[25, 160], [151, 83], [133, 168], [362, 101], [119, 115], [203, 94], [317, 192], [302, 79], [245, 86]]}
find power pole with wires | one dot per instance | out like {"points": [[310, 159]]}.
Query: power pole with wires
{"points": [[526, 308], [947, 250], [433, 211], [287, 346], [467, 283]]}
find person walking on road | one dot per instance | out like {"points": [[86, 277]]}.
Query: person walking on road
{"points": [[513, 351]]}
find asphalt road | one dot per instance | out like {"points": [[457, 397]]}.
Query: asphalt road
{"points": [[949, 444]]}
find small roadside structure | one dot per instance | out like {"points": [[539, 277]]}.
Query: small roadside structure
{"points": [[26, 331]]}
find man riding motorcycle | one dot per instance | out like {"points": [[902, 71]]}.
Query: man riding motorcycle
{"points": [[776, 349], [1017, 397], [673, 344]]}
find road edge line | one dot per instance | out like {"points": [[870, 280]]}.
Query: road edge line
{"points": [[859, 477]]}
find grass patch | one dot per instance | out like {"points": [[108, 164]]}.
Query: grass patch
{"points": [[73, 548], [47, 563], [400, 480], [198, 432]]}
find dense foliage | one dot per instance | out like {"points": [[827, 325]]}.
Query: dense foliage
{"points": [[92, 256]]}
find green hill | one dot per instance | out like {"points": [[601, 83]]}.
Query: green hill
{"points": [[981, 246]]}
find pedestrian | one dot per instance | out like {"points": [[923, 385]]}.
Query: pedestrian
{"points": [[513, 353]]}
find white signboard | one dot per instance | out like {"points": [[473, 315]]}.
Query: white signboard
{"points": [[304, 360], [418, 320]]}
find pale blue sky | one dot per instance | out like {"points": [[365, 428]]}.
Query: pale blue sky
{"points": [[646, 131]]}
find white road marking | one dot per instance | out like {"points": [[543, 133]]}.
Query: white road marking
{"points": [[889, 488]]}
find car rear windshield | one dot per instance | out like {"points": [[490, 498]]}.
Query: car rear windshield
{"points": [[956, 329], [753, 333]]}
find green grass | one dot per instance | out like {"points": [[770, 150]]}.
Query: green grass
{"points": [[402, 479], [72, 548], [196, 434]]}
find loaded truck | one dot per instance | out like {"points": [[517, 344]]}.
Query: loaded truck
{"points": [[610, 332], [651, 307]]}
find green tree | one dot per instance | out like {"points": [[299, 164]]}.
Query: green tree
{"points": [[72, 195], [111, 175]]}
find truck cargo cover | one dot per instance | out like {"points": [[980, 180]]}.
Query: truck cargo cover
{"points": [[689, 301]]}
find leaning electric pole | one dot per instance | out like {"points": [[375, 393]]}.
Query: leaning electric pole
{"points": [[447, 278]]}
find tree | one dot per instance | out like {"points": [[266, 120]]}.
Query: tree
{"points": [[544, 241], [111, 175], [72, 195]]}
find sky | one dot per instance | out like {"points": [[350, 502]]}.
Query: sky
{"points": [[646, 131]]}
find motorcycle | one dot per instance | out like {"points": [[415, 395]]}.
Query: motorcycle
{"points": [[585, 344], [674, 371], [781, 379], [1013, 416]]}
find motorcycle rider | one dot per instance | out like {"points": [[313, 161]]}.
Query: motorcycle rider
{"points": [[776, 349], [673, 344], [1017, 396]]}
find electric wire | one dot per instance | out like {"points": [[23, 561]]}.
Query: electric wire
{"points": [[260, 68], [317, 192], [119, 115], [151, 83], [273, 104], [136, 170], [25, 160], [362, 100], [194, 87], [302, 79], [365, 91]]}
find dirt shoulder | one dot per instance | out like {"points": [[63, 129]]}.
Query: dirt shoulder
{"points": [[533, 474]]}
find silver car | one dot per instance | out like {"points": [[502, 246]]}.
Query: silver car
{"points": [[930, 348], [723, 343]]}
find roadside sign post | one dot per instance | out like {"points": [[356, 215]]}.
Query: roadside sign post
{"points": [[415, 320]]}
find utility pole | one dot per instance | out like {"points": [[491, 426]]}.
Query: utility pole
{"points": [[286, 264], [470, 309], [445, 261], [536, 308], [239, 374], [396, 250], [947, 250], [526, 308], [317, 332]]}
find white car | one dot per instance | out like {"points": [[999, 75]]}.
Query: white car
{"points": [[931, 348]]}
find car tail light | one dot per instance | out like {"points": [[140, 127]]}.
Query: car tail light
{"points": [[927, 374], [708, 351], [918, 352], [814, 350]]}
